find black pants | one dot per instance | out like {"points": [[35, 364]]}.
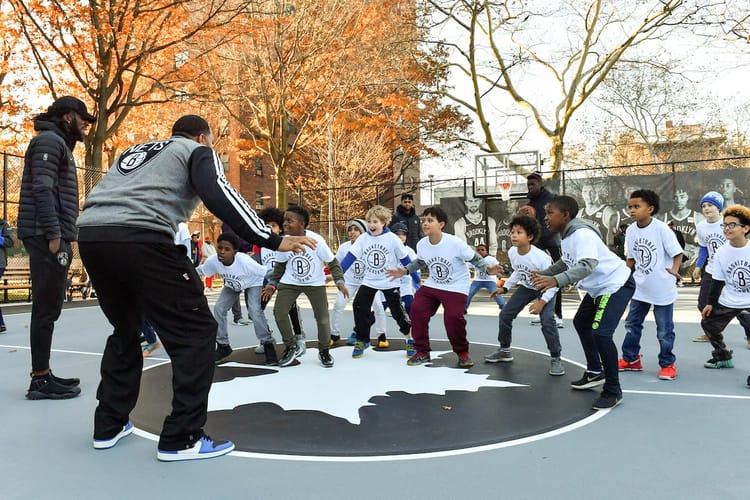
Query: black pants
{"points": [[363, 305], [49, 274], [135, 281]]}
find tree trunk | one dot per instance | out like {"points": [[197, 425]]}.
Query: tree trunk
{"points": [[556, 155]]}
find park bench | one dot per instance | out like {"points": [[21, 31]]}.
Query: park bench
{"points": [[19, 278]]}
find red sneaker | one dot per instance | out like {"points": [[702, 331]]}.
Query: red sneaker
{"points": [[668, 372], [630, 366]]}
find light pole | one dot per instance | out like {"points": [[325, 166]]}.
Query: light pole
{"points": [[432, 191]]}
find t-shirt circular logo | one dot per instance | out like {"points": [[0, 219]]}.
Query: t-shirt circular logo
{"points": [[714, 242], [299, 266], [440, 271], [740, 276], [376, 259], [399, 411], [358, 271], [644, 256], [232, 283], [137, 156]]}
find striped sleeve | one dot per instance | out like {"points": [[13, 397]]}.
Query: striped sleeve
{"points": [[213, 188]]}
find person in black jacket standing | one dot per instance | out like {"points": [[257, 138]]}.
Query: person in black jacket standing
{"points": [[47, 214], [549, 241], [6, 241], [406, 214]]}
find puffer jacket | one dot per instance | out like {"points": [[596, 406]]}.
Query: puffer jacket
{"points": [[48, 204]]}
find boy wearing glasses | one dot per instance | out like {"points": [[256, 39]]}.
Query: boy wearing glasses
{"points": [[654, 254], [729, 294]]}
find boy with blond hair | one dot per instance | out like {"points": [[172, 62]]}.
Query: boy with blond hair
{"points": [[379, 249]]}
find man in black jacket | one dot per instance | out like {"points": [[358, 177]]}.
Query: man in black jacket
{"points": [[47, 214], [406, 214], [548, 241]]}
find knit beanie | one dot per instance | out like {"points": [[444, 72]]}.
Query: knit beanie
{"points": [[713, 198], [359, 224]]}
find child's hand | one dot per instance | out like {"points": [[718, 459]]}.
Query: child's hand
{"points": [[707, 310], [542, 282], [536, 307], [697, 273], [268, 292], [397, 273], [344, 291], [496, 269], [498, 291], [674, 273]]}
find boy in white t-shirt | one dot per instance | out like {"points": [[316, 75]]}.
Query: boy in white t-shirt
{"points": [[484, 280], [239, 272], [524, 259], [606, 279], [447, 285], [710, 237], [654, 254], [298, 273], [730, 288], [352, 279], [380, 250]]}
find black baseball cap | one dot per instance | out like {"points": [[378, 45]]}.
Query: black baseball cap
{"points": [[69, 103]]}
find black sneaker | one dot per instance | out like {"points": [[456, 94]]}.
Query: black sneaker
{"points": [[223, 351], [3, 329], [325, 358], [45, 387], [270, 351], [606, 401], [290, 354], [588, 381], [73, 382]]}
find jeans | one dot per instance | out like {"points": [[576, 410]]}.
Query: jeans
{"points": [[664, 332], [520, 299], [149, 333], [427, 300], [227, 297], [490, 286], [595, 321]]}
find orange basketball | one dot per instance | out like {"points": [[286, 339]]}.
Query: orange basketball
{"points": [[527, 210]]}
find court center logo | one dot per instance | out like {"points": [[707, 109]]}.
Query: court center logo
{"points": [[377, 407]]}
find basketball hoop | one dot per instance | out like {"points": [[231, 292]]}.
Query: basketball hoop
{"points": [[504, 189]]}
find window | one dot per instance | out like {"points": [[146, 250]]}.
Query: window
{"points": [[258, 200], [258, 167]]}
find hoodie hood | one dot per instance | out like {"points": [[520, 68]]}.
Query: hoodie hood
{"points": [[578, 223]]}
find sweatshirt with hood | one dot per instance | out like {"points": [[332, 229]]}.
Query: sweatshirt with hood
{"points": [[587, 262]]}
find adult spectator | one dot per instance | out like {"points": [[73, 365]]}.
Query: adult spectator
{"points": [[47, 212], [549, 241], [126, 234], [407, 215]]}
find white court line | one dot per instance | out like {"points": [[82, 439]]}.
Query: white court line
{"points": [[63, 351], [687, 394]]}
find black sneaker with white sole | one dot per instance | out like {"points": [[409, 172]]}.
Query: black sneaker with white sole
{"points": [[588, 381], [45, 387], [325, 358], [606, 401], [223, 351], [290, 354]]}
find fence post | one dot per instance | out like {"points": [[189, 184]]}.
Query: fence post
{"points": [[5, 186]]}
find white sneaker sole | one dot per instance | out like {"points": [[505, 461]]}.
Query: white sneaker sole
{"points": [[105, 444], [191, 454]]}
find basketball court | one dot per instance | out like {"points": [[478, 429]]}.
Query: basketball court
{"points": [[374, 428]]}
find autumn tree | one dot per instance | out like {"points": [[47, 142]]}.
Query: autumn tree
{"points": [[295, 68], [122, 55], [544, 58]]}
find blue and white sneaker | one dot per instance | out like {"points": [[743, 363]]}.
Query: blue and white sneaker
{"points": [[352, 339], [410, 350], [359, 349], [205, 447], [104, 444]]}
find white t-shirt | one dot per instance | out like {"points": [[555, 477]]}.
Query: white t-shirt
{"points": [[711, 236], [406, 286], [653, 249], [534, 260], [356, 272], [379, 253], [446, 261], [482, 275], [182, 236], [267, 257], [306, 268], [610, 273], [243, 273], [733, 268]]}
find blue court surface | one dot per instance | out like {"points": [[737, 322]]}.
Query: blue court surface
{"points": [[374, 428]]}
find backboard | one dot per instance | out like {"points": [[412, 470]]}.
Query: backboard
{"points": [[503, 175]]}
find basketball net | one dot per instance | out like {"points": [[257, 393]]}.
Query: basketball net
{"points": [[504, 188]]}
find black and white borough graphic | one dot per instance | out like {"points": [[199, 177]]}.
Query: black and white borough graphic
{"points": [[377, 407]]}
